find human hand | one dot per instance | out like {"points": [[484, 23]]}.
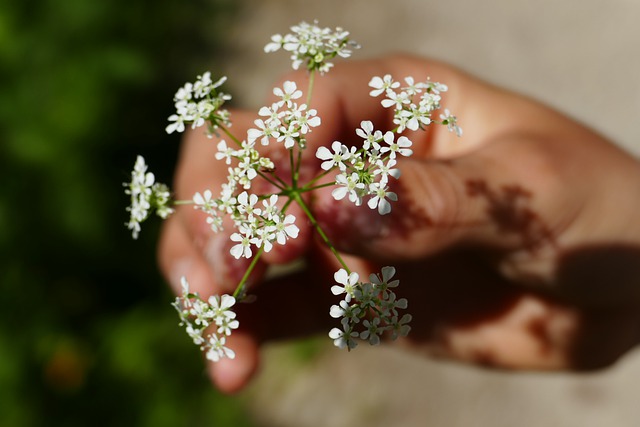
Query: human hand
{"points": [[515, 245]]}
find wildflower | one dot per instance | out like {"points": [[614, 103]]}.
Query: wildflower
{"points": [[379, 200], [348, 282], [146, 196], [337, 158], [401, 146], [288, 93], [313, 46], [380, 85], [371, 137], [451, 122], [344, 337]]}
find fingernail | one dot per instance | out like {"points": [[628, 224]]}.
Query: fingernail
{"points": [[179, 270], [231, 375]]}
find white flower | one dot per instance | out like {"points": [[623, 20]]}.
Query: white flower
{"points": [[275, 44], [177, 125], [400, 327], [263, 132], [380, 199], [285, 229], [271, 209], [146, 195], [288, 93], [204, 201], [451, 122], [221, 307], [349, 185], [348, 282], [350, 314], [224, 152], [371, 137], [401, 146], [381, 284], [372, 332], [413, 88], [382, 84], [288, 134], [344, 338], [337, 158], [386, 170], [398, 100], [313, 46], [243, 248], [217, 349]]}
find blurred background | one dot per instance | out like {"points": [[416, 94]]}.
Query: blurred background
{"points": [[87, 336], [86, 333]]}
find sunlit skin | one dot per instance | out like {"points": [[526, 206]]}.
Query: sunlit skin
{"points": [[516, 245]]}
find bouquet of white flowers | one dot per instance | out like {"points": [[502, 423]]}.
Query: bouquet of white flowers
{"points": [[363, 174]]}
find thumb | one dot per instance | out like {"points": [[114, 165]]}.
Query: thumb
{"points": [[495, 196]]}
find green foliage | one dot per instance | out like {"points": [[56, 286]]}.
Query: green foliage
{"points": [[87, 336]]}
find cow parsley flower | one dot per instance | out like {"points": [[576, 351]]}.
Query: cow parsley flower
{"points": [[368, 310], [198, 103], [146, 196], [196, 315], [451, 122], [313, 46]]}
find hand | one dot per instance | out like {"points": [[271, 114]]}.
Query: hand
{"points": [[516, 245]]}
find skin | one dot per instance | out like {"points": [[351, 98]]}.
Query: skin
{"points": [[517, 245]]}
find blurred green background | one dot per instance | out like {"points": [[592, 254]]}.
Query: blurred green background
{"points": [[87, 335]]}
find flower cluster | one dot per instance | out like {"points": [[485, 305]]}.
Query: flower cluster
{"points": [[368, 310], [146, 196], [373, 303], [409, 112], [285, 121], [214, 315], [313, 46], [199, 103], [260, 226], [364, 172]]}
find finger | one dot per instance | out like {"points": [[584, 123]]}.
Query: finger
{"points": [[342, 100], [180, 258], [505, 194]]}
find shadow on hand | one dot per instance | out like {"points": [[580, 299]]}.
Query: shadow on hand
{"points": [[461, 288]]}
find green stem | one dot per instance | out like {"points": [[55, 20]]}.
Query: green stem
{"points": [[312, 75], [319, 229], [240, 288], [314, 180], [272, 182], [294, 182], [182, 202], [306, 188], [230, 135]]}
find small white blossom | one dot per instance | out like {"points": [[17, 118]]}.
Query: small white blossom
{"points": [[401, 146], [371, 138], [379, 200], [349, 185], [340, 154], [451, 122], [285, 228], [344, 338], [243, 248], [348, 282], [288, 93], [146, 196], [380, 85], [313, 46]]}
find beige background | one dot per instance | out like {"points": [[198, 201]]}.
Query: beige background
{"points": [[581, 57]]}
